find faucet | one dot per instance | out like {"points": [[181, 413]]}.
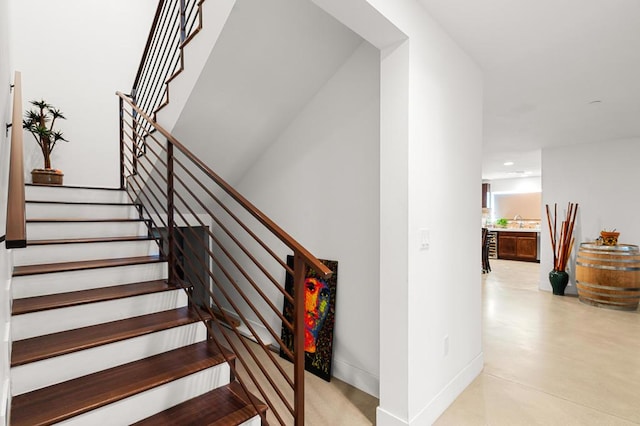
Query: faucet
{"points": [[518, 218]]}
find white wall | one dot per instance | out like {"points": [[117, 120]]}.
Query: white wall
{"points": [[320, 181], [76, 54], [5, 297], [603, 179], [430, 171], [6, 78], [517, 185], [445, 142]]}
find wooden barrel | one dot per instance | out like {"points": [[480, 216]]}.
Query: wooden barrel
{"points": [[609, 276]]}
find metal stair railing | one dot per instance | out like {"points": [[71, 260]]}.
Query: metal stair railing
{"points": [[242, 255], [175, 23]]}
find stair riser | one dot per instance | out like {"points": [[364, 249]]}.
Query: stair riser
{"points": [[36, 375], [80, 211], [145, 404], [54, 253], [49, 231], [63, 282], [256, 421], [48, 193], [54, 320]]}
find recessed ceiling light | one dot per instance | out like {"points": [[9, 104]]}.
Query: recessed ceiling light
{"points": [[508, 163]]}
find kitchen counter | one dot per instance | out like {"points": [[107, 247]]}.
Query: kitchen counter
{"points": [[514, 229]]}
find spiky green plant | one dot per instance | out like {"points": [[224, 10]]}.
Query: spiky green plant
{"points": [[39, 122]]}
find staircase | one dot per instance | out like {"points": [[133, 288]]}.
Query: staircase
{"points": [[98, 334]]}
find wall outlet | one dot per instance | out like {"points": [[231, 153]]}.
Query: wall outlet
{"points": [[445, 346]]}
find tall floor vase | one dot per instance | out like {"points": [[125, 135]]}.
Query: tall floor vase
{"points": [[559, 281]]}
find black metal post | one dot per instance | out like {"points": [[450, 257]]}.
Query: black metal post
{"points": [[183, 21], [299, 272], [171, 252], [121, 144]]}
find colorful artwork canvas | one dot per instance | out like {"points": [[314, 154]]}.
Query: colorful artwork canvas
{"points": [[320, 303]]}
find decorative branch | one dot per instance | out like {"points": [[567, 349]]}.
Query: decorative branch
{"points": [[563, 245]]}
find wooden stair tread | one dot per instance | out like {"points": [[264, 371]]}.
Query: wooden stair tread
{"points": [[74, 220], [64, 342], [99, 188], [220, 407], [85, 264], [64, 400], [80, 203], [90, 240], [74, 298]]}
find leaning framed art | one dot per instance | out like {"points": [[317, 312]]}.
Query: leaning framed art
{"points": [[320, 303]]}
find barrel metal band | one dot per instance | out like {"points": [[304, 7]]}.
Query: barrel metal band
{"points": [[608, 253], [600, 259], [606, 302], [608, 287], [609, 249], [608, 268]]}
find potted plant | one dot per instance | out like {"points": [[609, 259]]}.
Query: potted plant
{"points": [[39, 122], [502, 223]]}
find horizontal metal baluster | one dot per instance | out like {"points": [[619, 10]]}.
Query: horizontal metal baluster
{"points": [[235, 240], [236, 219], [242, 271], [249, 303], [256, 336], [247, 324]]}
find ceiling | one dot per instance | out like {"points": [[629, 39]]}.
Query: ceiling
{"points": [[555, 72]]}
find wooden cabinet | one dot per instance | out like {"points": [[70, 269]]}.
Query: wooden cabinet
{"points": [[486, 190], [518, 246]]}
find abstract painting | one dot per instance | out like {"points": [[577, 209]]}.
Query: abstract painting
{"points": [[320, 304]]}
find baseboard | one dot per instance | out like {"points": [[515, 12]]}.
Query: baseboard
{"points": [[434, 409], [385, 418], [356, 377], [429, 414]]}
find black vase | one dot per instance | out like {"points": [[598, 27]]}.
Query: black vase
{"points": [[559, 281]]}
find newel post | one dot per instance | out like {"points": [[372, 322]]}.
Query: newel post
{"points": [[171, 254], [299, 272]]}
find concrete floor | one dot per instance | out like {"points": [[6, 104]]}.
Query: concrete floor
{"points": [[550, 360]]}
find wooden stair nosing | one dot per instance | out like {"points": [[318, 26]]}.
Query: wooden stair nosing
{"points": [[68, 399], [92, 240], [221, 406], [49, 268], [51, 345], [63, 300]]}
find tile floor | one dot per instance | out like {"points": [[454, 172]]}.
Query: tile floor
{"points": [[550, 360]]}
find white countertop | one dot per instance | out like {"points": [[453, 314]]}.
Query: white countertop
{"points": [[514, 229]]}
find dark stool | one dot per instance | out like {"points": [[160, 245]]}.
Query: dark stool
{"points": [[486, 268]]}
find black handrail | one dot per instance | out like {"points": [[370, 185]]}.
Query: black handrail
{"points": [[243, 251]]}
